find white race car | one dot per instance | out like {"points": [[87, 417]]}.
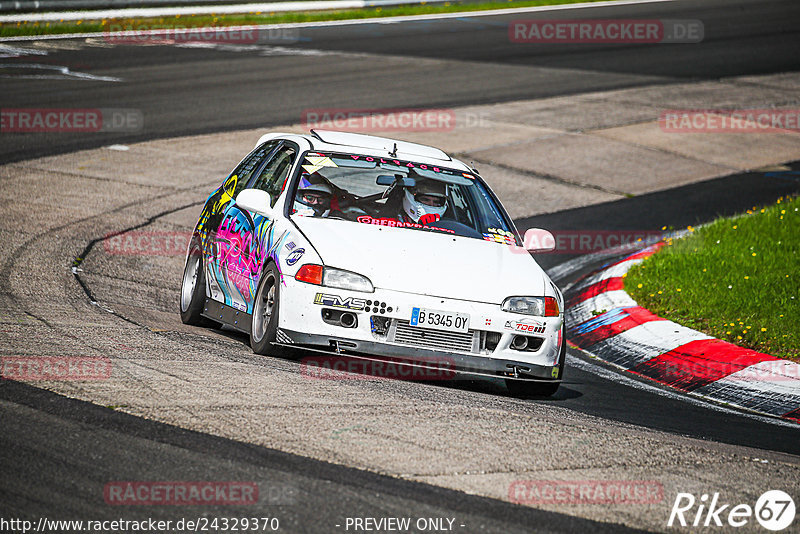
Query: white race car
{"points": [[375, 248]]}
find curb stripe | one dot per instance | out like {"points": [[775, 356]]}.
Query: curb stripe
{"points": [[599, 328], [642, 254], [794, 415], [593, 306], [615, 271], [617, 268], [644, 342], [609, 284], [698, 363], [769, 386], [608, 323], [762, 396]]}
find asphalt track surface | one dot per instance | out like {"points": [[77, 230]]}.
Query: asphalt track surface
{"points": [[184, 91], [457, 61], [61, 477]]}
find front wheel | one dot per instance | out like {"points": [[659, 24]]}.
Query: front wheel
{"points": [[264, 325], [519, 388]]}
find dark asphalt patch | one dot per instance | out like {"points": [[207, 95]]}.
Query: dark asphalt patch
{"points": [[97, 445]]}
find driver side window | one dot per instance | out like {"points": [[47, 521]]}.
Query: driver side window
{"points": [[244, 171], [275, 172]]}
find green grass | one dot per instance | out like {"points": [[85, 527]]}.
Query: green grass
{"points": [[90, 25], [736, 279]]}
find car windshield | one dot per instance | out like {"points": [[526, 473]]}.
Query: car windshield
{"points": [[398, 193]]}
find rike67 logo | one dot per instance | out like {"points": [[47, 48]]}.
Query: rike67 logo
{"points": [[774, 510]]}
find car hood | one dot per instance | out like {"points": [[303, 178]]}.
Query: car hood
{"points": [[429, 263]]}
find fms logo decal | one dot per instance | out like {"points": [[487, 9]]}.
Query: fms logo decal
{"points": [[295, 256], [335, 301]]}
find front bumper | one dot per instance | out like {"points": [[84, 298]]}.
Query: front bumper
{"points": [[382, 329]]}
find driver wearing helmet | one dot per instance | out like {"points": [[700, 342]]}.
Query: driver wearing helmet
{"points": [[313, 197], [425, 202]]}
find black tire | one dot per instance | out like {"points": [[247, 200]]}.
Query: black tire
{"points": [[193, 290], [264, 325], [193, 287], [519, 388]]}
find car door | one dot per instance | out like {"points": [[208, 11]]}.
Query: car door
{"points": [[245, 238], [219, 203]]}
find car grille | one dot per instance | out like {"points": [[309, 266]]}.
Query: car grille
{"points": [[415, 336]]}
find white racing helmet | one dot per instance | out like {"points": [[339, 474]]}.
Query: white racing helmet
{"points": [[426, 201], [313, 196]]}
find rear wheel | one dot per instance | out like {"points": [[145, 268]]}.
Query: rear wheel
{"points": [[193, 290], [264, 325], [519, 388]]}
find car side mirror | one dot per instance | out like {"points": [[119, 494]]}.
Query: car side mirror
{"points": [[538, 240], [257, 201]]}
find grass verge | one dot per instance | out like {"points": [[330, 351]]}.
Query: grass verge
{"points": [[90, 25], [736, 279]]}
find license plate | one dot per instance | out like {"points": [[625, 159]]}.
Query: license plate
{"points": [[440, 320]]}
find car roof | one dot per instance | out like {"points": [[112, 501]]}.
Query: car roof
{"points": [[333, 141]]}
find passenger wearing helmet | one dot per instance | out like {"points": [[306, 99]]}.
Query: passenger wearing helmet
{"points": [[425, 202], [313, 197]]}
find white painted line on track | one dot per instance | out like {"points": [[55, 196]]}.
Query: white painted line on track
{"points": [[353, 22], [267, 50], [52, 72], [14, 51]]}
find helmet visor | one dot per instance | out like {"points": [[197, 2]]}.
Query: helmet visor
{"points": [[434, 201], [315, 198]]}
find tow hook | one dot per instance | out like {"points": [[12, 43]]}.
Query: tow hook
{"points": [[516, 370]]}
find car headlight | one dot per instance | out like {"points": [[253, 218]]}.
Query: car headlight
{"points": [[541, 306], [346, 280]]}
